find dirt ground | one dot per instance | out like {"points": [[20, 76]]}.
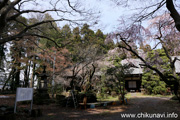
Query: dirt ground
{"points": [[142, 107]]}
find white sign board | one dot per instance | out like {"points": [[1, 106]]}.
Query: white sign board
{"points": [[24, 94]]}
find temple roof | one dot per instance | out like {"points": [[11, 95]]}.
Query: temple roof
{"points": [[135, 65], [137, 69]]}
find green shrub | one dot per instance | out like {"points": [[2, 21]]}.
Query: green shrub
{"points": [[58, 89], [153, 85]]}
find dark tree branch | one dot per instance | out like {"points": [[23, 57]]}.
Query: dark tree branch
{"points": [[10, 11], [156, 45], [144, 61], [42, 36], [143, 17], [4, 2], [92, 74], [172, 62], [174, 14], [22, 33], [69, 3], [165, 50], [9, 7], [3, 14], [32, 11]]}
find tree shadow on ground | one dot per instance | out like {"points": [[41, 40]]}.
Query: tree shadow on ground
{"points": [[136, 105]]}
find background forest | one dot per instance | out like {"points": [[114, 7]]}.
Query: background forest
{"points": [[75, 56]]}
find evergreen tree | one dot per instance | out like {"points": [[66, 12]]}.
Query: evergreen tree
{"points": [[151, 81]]}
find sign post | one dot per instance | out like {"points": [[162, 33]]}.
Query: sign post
{"points": [[23, 94]]}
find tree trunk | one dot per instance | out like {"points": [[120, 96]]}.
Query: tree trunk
{"points": [[91, 76], [174, 14], [9, 78], [17, 77], [33, 73], [26, 76], [28, 73], [12, 79], [177, 90]]}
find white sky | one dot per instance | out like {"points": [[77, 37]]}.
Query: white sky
{"points": [[110, 12], [109, 15]]}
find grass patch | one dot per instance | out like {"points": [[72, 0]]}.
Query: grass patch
{"points": [[108, 98], [162, 95], [129, 95]]}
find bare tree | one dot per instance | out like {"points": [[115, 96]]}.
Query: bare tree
{"points": [[11, 12], [165, 33], [150, 9]]}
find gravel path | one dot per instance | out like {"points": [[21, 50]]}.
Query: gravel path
{"points": [[151, 108], [145, 108], [141, 107]]}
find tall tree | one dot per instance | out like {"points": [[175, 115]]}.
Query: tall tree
{"points": [[162, 35], [151, 82], [65, 11], [85, 47], [118, 73]]}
